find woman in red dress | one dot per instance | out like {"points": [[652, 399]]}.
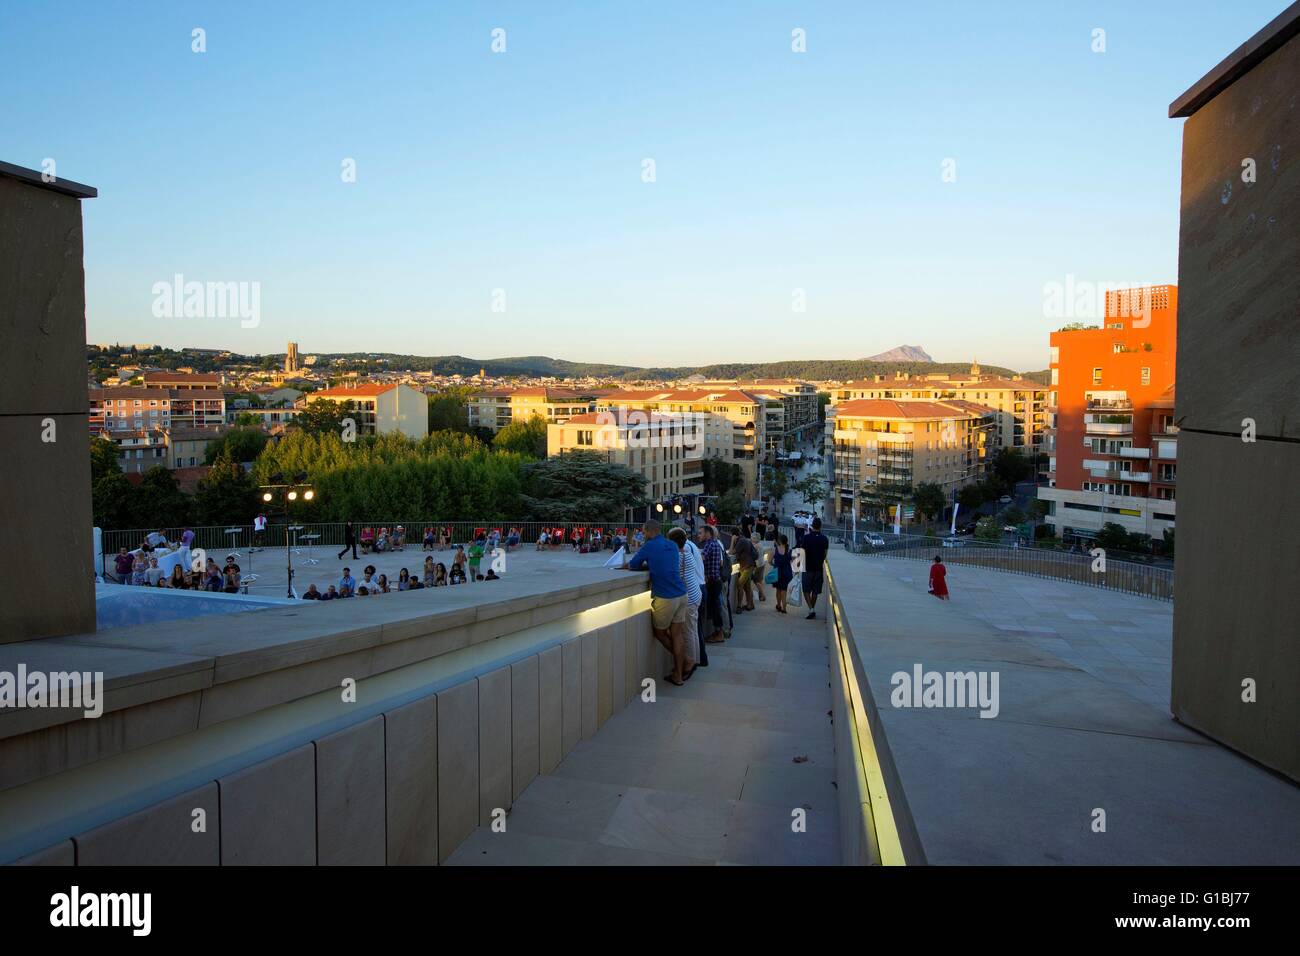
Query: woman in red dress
{"points": [[938, 582]]}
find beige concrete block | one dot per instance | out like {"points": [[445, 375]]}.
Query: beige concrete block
{"points": [[42, 308], [458, 774], [632, 681], [525, 724], [494, 760], [550, 676], [411, 776], [1238, 248], [1236, 602], [182, 831], [571, 726], [617, 667], [350, 796], [45, 485], [590, 684], [268, 811], [61, 854], [604, 675]]}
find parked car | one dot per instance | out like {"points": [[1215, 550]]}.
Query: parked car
{"points": [[953, 543], [875, 540], [1005, 499], [1010, 528]]}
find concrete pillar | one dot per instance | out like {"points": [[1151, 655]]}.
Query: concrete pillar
{"points": [[45, 482], [1236, 658]]}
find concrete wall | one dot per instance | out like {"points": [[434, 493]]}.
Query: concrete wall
{"points": [[405, 786], [45, 484], [1239, 357]]}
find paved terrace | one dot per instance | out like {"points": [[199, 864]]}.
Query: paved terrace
{"points": [[710, 773], [1084, 724]]}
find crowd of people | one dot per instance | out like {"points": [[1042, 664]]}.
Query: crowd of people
{"points": [[140, 568], [690, 601]]}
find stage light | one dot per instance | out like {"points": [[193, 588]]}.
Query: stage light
{"points": [[266, 496], [308, 495], [293, 496]]}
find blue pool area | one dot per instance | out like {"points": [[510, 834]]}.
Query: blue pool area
{"points": [[117, 605]]}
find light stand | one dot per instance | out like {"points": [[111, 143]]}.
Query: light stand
{"points": [[290, 493]]}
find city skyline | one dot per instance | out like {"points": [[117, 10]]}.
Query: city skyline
{"points": [[518, 178]]}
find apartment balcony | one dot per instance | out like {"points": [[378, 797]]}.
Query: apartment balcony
{"points": [[1111, 404], [1135, 452], [1107, 428]]}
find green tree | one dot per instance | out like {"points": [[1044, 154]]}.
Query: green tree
{"points": [[226, 495], [1010, 467], [238, 444], [988, 529], [523, 438], [1039, 509], [112, 501], [929, 499], [970, 497], [811, 489], [580, 486], [778, 483], [448, 410], [1112, 537], [1168, 536], [322, 418], [730, 505], [159, 502], [103, 459], [1013, 515]]}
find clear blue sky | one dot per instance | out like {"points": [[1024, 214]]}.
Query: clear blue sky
{"points": [[522, 171]]}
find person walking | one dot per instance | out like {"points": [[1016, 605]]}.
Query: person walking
{"points": [[781, 561], [663, 560], [939, 579], [815, 547], [743, 550], [349, 541]]}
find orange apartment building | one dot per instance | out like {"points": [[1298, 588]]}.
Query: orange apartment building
{"points": [[1112, 440]]}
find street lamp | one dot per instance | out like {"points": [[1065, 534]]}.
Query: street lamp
{"points": [[290, 491]]}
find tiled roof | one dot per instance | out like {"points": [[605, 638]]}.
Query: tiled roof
{"points": [[899, 408]]}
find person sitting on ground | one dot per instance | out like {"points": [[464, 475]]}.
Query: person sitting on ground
{"points": [[458, 560], [312, 594], [139, 571], [363, 591], [331, 594], [439, 575], [404, 580], [416, 584], [230, 564], [231, 585], [428, 572], [178, 579], [347, 584], [212, 577], [428, 540], [382, 581], [153, 574], [491, 576], [457, 575], [368, 580]]}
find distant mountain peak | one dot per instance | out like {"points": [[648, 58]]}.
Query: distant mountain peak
{"points": [[904, 353]]}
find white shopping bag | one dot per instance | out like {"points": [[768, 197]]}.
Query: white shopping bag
{"points": [[794, 593]]}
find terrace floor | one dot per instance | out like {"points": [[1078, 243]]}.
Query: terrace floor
{"points": [[1084, 725], [710, 773]]}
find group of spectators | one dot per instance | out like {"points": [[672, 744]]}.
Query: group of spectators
{"points": [[140, 569], [689, 581], [434, 575]]}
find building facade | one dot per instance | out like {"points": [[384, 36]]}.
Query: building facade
{"points": [[141, 408], [1020, 403], [882, 449], [1112, 447], [496, 409], [667, 450], [732, 423], [380, 409]]}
